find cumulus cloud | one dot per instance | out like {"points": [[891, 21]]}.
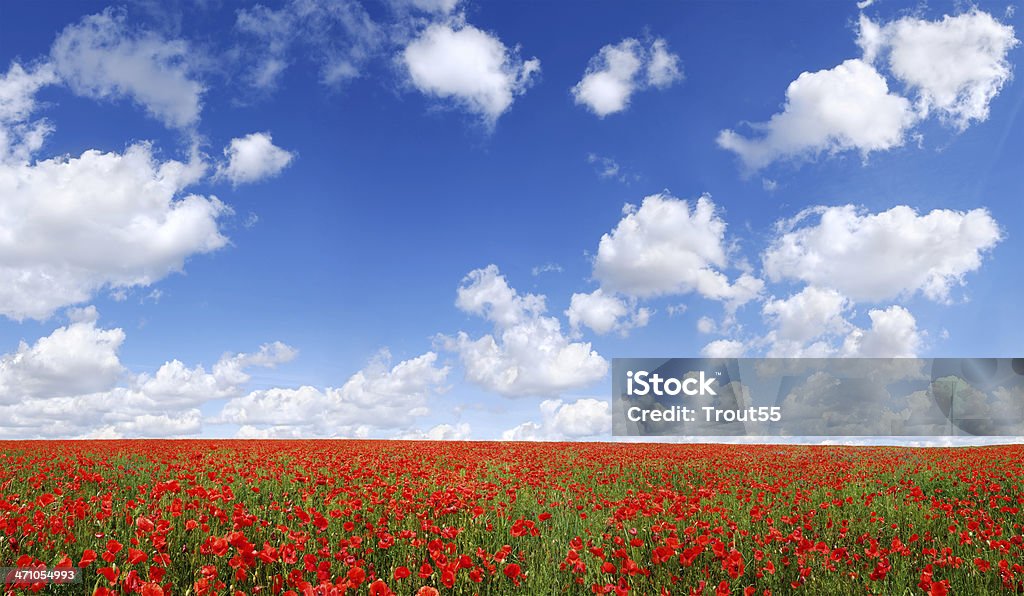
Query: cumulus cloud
{"points": [[72, 383], [99, 57], [48, 390], [846, 108], [893, 334], [665, 247], [604, 313], [339, 36], [879, 256], [813, 324], [252, 158], [75, 359], [584, 418], [468, 66], [954, 66], [440, 432], [175, 383], [527, 354], [808, 314], [620, 70], [20, 137], [724, 348], [379, 396], [18, 88], [706, 325], [70, 226]]}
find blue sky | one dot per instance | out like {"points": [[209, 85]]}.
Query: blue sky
{"points": [[388, 150]]}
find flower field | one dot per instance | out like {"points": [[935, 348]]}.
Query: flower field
{"points": [[375, 517]]}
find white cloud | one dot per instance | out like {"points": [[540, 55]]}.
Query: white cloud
{"points": [[830, 111], [724, 348], [813, 324], [955, 66], [253, 157], [584, 418], [807, 314], [19, 138], [174, 383], [527, 354], [706, 325], [879, 256], [546, 268], [676, 310], [18, 89], [185, 424], [440, 432], [377, 397], [663, 247], [618, 71], [663, 66], [76, 359], [893, 334], [606, 167], [72, 226], [471, 67], [604, 313], [443, 7], [338, 35], [72, 383], [99, 57]]}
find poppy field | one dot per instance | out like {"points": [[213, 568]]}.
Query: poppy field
{"points": [[391, 517]]}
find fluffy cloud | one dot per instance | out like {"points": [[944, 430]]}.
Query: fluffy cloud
{"points": [[253, 157], [71, 226], [618, 71], [471, 67], [662, 65], [174, 383], [812, 324], [893, 334], [954, 66], [706, 325], [100, 58], [845, 108], [565, 421], [663, 247], [18, 89], [75, 359], [72, 383], [724, 348], [527, 354], [378, 397], [339, 35], [440, 432], [807, 314], [604, 313], [879, 256], [20, 138]]}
